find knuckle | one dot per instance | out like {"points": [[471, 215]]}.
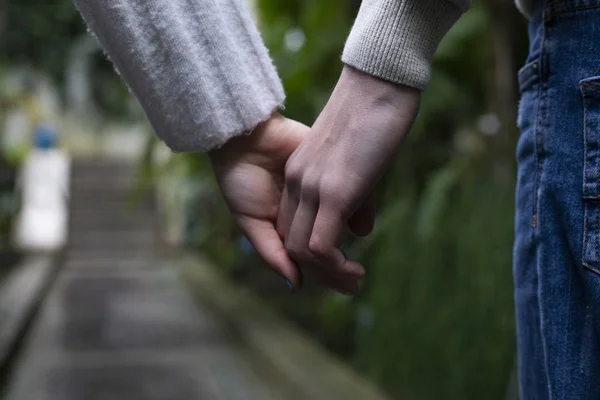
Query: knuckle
{"points": [[336, 196], [317, 248], [329, 195], [310, 189], [295, 252], [302, 255], [291, 250], [332, 188], [293, 175]]}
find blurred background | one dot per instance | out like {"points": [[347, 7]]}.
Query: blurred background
{"points": [[434, 318]]}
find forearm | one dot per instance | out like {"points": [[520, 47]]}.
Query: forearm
{"points": [[396, 39], [199, 68]]}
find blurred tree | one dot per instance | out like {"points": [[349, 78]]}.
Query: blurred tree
{"points": [[306, 38], [43, 36], [39, 34], [8, 209]]}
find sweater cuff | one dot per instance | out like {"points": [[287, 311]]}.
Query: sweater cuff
{"points": [[396, 39], [199, 68]]}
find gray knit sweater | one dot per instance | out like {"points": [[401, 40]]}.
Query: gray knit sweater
{"points": [[203, 75]]}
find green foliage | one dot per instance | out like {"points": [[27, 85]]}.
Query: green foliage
{"points": [[435, 317], [310, 73], [43, 36], [441, 299], [9, 202], [39, 33]]}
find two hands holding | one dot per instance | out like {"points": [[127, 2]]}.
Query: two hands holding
{"points": [[293, 190]]}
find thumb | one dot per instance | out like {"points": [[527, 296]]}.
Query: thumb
{"points": [[295, 132], [281, 136]]}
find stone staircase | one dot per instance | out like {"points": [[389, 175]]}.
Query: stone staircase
{"points": [[117, 323]]}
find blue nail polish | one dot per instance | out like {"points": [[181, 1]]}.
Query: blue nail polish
{"points": [[289, 285]]}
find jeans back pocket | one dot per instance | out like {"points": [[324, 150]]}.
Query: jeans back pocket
{"points": [[590, 90]]}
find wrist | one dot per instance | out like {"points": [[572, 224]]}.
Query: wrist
{"points": [[374, 88], [247, 140], [372, 96]]}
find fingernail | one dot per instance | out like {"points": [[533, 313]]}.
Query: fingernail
{"points": [[289, 285]]}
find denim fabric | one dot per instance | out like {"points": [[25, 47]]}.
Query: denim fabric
{"points": [[557, 243]]}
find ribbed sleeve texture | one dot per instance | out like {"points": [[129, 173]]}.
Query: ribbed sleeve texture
{"points": [[198, 67], [396, 39]]}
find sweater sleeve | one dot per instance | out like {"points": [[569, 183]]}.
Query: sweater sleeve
{"points": [[199, 68], [396, 39]]}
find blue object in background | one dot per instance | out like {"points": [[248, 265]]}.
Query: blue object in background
{"points": [[45, 137]]}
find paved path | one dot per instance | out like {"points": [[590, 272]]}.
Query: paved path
{"points": [[118, 325]]}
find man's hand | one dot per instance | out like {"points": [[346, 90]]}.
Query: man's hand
{"points": [[250, 173], [331, 176]]}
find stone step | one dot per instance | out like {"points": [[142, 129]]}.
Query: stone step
{"points": [[122, 212], [98, 220], [93, 201], [120, 185], [120, 255], [130, 237], [110, 247], [100, 213], [99, 191], [132, 336], [83, 227], [106, 169], [107, 264], [112, 211], [215, 373], [84, 230]]}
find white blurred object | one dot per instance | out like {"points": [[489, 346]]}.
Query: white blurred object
{"points": [[42, 223], [489, 124], [294, 40]]}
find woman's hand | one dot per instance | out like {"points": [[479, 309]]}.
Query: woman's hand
{"points": [[250, 172]]}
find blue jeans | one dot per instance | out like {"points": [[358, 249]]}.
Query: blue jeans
{"points": [[557, 243]]}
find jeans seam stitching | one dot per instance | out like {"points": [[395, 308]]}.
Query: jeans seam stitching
{"points": [[539, 140], [585, 143], [585, 234], [537, 128], [591, 267], [544, 71]]}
